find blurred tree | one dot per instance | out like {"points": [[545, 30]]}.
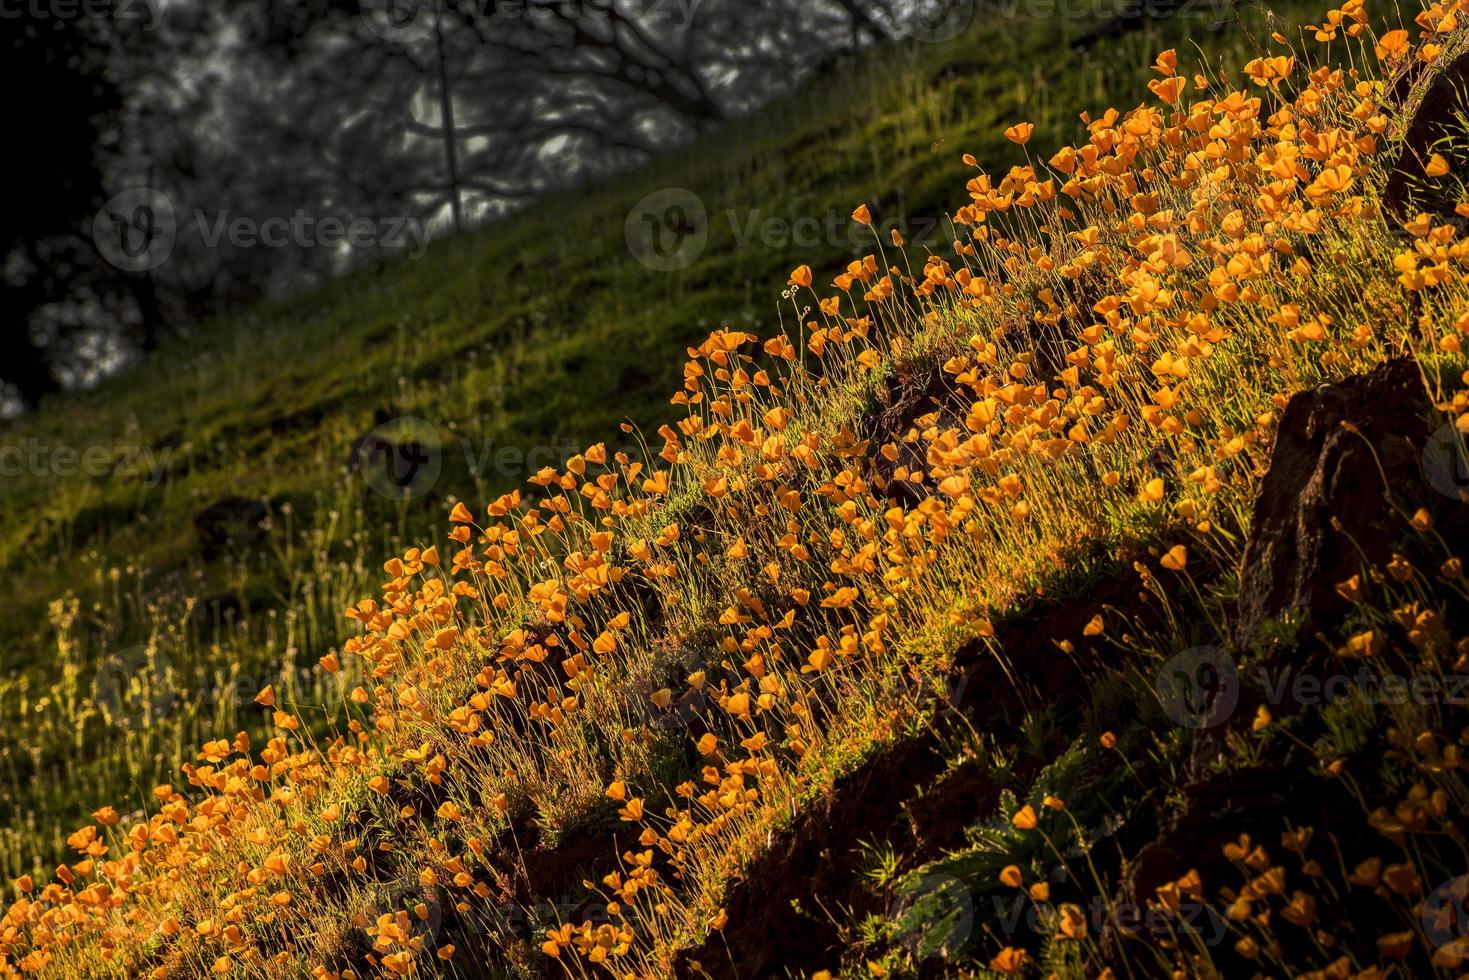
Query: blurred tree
{"points": [[417, 116], [59, 103]]}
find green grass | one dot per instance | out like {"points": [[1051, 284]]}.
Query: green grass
{"points": [[539, 333]]}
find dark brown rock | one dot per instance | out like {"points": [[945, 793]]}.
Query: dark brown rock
{"points": [[1437, 126], [1258, 801], [904, 793], [813, 860], [1323, 505]]}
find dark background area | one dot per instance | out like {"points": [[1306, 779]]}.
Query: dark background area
{"points": [[161, 137]]}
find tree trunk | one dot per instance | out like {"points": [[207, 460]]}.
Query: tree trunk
{"points": [[446, 118], [150, 312]]}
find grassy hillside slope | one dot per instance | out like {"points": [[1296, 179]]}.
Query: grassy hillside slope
{"points": [[129, 640], [1086, 599]]}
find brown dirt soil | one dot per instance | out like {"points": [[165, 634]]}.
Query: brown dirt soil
{"points": [[906, 794]]}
